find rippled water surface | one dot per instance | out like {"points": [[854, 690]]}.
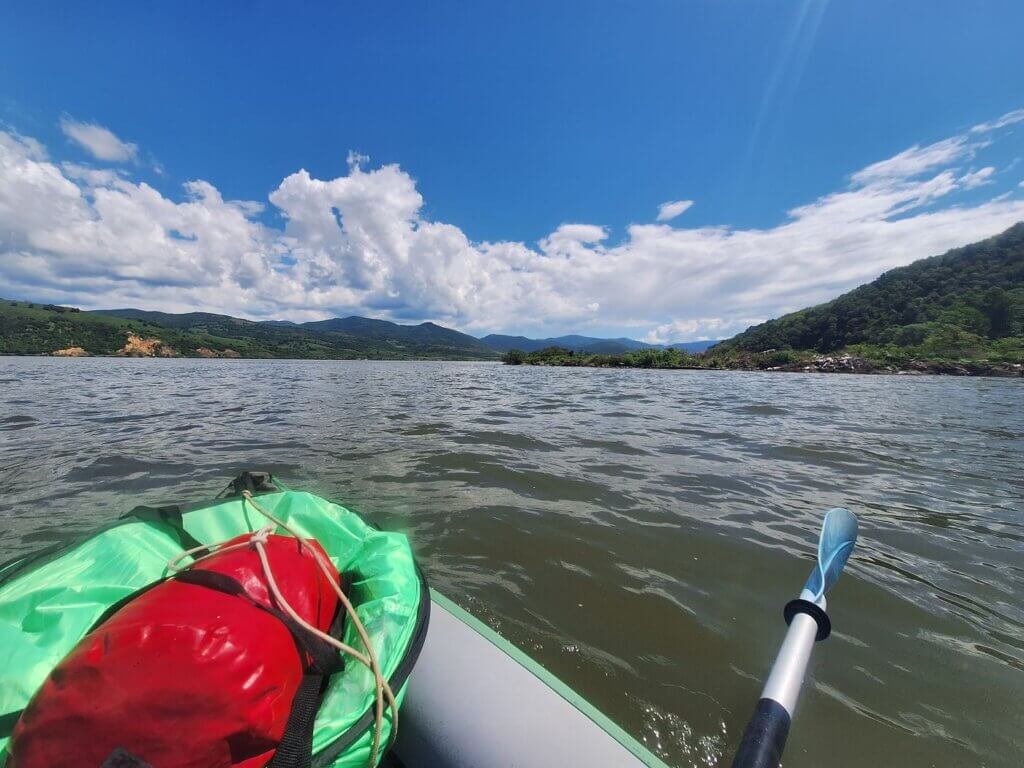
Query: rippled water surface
{"points": [[636, 531]]}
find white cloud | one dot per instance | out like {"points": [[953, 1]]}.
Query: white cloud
{"points": [[98, 141], [698, 329], [356, 160], [977, 178], [359, 243], [1010, 118], [571, 240], [93, 177], [668, 211], [916, 161]]}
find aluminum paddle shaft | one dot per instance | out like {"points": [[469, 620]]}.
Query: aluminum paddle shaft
{"points": [[765, 737]]}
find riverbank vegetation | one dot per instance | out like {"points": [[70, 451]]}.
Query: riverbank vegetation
{"points": [[962, 356], [944, 349]]}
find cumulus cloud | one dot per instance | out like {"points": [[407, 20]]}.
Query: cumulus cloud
{"points": [[571, 240], [360, 243], [98, 141], [696, 329], [668, 211]]}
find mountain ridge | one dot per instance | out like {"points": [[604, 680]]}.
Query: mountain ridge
{"points": [[38, 328], [35, 328], [586, 344]]}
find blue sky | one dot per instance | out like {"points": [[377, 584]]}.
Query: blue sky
{"points": [[492, 130]]}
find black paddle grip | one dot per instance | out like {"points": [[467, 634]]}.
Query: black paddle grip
{"points": [[765, 737]]}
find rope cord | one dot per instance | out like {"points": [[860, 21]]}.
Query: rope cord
{"points": [[257, 540]]}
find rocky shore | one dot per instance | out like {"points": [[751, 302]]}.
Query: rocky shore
{"points": [[852, 364], [785, 361]]}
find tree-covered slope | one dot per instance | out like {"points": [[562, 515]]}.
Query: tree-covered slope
{"points": [[31, 328], [968, 298], [428, 335], [348, 336]]}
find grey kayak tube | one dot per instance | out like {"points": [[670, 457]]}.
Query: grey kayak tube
{"points": [[475, 700]]}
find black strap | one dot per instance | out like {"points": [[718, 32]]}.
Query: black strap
{"points": [[122, 758], [115, 607], [170, 515], [295, 749], [329, 754], [7, 722]]}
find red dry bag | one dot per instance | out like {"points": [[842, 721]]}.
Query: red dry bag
{"points": [[199, 671]]}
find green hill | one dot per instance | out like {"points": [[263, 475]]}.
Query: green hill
{"points": [[30, 329], [965, 304], [425, 334]]}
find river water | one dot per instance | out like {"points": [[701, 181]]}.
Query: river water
{"points": [[637, 532]]}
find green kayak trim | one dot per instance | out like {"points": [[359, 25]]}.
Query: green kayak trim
{"points": [[592, 713]]}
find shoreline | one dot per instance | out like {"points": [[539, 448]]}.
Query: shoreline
{"points": [[842, 364], [838, 364]]}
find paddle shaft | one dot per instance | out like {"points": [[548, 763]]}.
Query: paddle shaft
{"points": [[765, 736]]}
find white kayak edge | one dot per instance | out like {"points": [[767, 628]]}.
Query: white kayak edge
{"points": [[475, 700]]}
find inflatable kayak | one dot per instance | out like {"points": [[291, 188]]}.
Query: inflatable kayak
{"points": [[474, 699]]}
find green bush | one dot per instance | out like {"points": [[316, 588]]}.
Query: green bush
{"points": [[911, 335]]}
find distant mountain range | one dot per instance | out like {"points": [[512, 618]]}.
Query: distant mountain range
{"points": [[586, 344], [33, 328], [342, 337]]}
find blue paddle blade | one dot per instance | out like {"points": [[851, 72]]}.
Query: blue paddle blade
{"points": [[838, 535]]}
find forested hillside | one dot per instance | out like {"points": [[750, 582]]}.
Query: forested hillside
{"points": [[965, 302], [28, 328]]}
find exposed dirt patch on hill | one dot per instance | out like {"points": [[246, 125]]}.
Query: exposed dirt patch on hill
{"points": [[136, 346], [70, 352]]}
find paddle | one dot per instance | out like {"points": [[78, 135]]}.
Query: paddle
{"points": [[765, 737]]}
